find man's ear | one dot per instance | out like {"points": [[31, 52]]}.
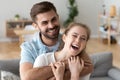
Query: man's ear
{"points": [[34, 25]]}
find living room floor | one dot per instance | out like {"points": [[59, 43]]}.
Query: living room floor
{"points": [[11, 50]]}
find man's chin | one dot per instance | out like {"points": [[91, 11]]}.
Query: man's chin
{"points": [[53, 37]]}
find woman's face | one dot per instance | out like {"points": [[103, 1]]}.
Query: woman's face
{"points": [[75, 40]]}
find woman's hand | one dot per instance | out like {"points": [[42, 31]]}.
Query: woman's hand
{"points": [[58, 69], [75, 66]]}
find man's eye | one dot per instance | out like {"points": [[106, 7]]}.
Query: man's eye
{"points": [[54, 19], [44, 23]]}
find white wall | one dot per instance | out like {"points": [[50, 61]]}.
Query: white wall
{"points": [[88, 14], [8, 8], [108, 4], [88, 11]]}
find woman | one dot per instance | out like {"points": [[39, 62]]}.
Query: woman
{"points": [[75, 39]]}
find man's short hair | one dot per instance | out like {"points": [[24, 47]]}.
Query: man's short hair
{"points": [[41, 7]]}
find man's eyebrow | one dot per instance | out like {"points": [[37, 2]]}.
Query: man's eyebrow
{"points": [[54, 17]]}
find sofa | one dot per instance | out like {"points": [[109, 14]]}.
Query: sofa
{"points": [[11, 67], [103, 69]]}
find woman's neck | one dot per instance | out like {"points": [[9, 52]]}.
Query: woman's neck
{"points": [[61, 55]]}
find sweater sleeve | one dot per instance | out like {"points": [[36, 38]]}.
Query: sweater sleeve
{"points": [[88, 66]]}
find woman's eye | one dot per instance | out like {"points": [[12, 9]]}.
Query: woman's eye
{"points": [[84, 39]]}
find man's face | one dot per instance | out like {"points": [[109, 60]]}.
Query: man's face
{"points": [[48, 24]]}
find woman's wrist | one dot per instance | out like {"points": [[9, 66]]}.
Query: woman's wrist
{"points": [[59, 78], [75, 77]]}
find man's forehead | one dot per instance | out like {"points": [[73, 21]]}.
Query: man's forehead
{"points": [[45, 17]]}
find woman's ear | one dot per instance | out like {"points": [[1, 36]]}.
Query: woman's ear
{"points": [[63, 37]]}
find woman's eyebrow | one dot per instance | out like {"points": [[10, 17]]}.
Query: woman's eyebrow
{"points": [[83, 35]]}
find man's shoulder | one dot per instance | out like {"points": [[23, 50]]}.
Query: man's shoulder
{"points": [[25, 44], [28, 44]]}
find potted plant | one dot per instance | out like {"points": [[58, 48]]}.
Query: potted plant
{"points": [[17, 16], [73, 12]]}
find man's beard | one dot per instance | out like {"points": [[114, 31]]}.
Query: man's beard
{"points": [[54, 36]]}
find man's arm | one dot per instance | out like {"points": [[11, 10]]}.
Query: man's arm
{"points": [[27, 72]]}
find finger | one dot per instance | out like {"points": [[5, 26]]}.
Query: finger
{"points": [[63, 63], [71, 58], [77, 58], [51, 64], [68, 60], [53, 67], [82, 63], [58, 64]]}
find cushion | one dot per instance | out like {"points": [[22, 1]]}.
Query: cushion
{"points": [[11, 65], [114, 73], [101, 78], [102, 63], [5, 75]]}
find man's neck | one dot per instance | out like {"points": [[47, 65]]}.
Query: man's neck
{"points": [[48, 42]]}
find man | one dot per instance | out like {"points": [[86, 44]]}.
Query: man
{"points": [[46, 19]]}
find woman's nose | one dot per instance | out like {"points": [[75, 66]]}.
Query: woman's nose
{"points": [[78, 40]]}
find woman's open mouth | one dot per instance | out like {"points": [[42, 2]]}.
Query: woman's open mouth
{"points": [[75, 47]]}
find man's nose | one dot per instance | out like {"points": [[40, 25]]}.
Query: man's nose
{"points": [[51, 25]]}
